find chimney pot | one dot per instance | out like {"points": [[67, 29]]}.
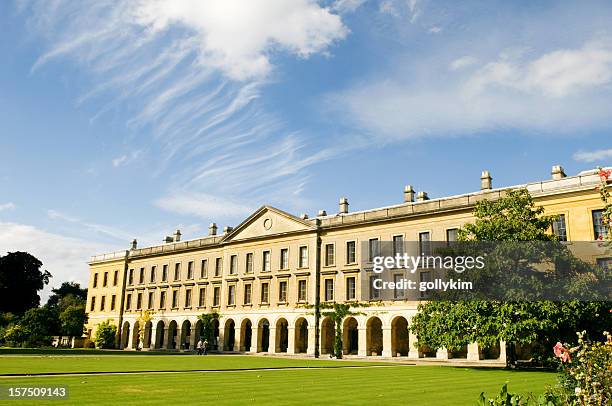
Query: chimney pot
{"points": [[134, 244], [344, 205], [557, 172], [227, 229], [486, 181], [304, 216], [177, 235], [212, 229], [408, 194], [422, 196], [322, 213]]}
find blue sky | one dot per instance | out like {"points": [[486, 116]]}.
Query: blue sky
{"points": [[129, 119]]}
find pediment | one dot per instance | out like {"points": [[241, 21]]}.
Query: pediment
{"points": [[268, 221]]}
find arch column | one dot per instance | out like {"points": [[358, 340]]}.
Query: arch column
{"points": [[254, 339], [387, 338], [167, 338], [473, 353], [413, 350], [362, 334], [192, 337], [502, 351], [153, 341], [291, 340], [237, 342], [442, 353], [310, 346], [272, 340], [130, 343]]}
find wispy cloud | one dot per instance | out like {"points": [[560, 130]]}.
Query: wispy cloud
{"points": [[114, 233], [561, 90], [201, 205], [126, 159], [7, 206], [192, 73], [593, 156]]}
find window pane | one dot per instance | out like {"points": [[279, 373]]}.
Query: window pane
{"points": [[350, 252], [559, 229], [600, 229]]}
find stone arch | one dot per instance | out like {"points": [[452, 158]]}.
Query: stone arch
{"points": [[229, 335], [400, 337], [159, 334], [374, 336], [263, 335], [135, 335], [328, 332], [282, 335], [148, 331], [301, 336], [246, 335], [172, 335], [350, 336], [185, 335], [125, 335]]}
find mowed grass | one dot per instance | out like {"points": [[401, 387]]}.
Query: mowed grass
{"points": [[38, 364], [391, 384]]}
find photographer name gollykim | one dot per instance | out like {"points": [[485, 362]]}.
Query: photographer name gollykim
{"points": [[423, 286]]}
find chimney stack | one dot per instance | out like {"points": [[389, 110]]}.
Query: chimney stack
{"points": [[557, 172], [227, 229], [486, 181], [212, 229], [322, 213], [343, 206], [408, 194], [304, 216], [134, 244], [422, 196], [177, 235]]}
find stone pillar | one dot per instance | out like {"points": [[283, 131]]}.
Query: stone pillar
{"points": [[502, 351], [310, 350], [254, 339], [221, 340], [179, 339], [473, 353], [166, 338], [192, 337], [387, 338], [362, 340], [442, 353], [130, 344], [237, 342], [272, 340], [153, 338], [290, 340], [413, 350]]}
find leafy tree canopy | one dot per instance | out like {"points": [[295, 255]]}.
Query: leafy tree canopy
{"points": [[72, 289], [21, 278]]}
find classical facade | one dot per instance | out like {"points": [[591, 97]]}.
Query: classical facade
{"points": [[264, 275]]}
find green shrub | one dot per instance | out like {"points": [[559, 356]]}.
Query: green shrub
{"points": [[105, 335]]}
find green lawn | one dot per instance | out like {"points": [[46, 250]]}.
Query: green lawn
{"points": [[395, 384]]}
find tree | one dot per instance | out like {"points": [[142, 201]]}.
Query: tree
{"points": [[208, 325], [105, 335], [67, 289], [72, 319], [39, 324], [520, 225], [20, 280]]}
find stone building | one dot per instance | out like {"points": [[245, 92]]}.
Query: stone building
{"points": [[262, 275]]}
